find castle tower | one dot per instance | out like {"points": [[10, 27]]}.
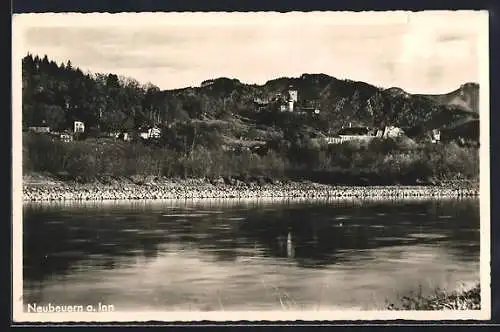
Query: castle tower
{"points": [[293, 94], [293, 97]]}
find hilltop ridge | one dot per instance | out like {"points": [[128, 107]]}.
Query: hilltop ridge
{"points": [[347, 101], [465, 97]]}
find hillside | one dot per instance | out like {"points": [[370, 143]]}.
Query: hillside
{"points": [[57, 95], [341, 102], [466, 97]]}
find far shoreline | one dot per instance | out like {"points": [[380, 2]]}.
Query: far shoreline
{"points": [[47, 189]]}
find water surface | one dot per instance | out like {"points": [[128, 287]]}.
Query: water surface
{"points": [[247, 255]]}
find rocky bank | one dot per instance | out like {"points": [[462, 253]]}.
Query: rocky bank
{"points": [[39, 188]]}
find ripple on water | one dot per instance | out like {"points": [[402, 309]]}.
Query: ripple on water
{"points": [[133, 252], [426, 236], [79, 240], [211, 212], [74, 253], [157, 231], [54, 222], [186, 215], [222, 228], [392, 238]]}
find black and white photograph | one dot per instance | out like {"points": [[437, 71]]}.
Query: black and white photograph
{"points": [[251, 166]]}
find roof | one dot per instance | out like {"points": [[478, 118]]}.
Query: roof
{"points": [[353, 131]]}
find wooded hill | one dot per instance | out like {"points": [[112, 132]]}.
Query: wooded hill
{"points": [[57, 95]]}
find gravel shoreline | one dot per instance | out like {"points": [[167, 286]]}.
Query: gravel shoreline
{"points": [[144, 189]]}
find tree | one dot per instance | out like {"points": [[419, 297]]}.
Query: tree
{"points": [[54, 116], [378, 107]]}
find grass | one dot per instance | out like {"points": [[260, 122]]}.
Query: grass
{"points": [[464, 299], [469, 299]]}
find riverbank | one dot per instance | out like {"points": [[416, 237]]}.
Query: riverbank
{"points": [[465, 299], [44, 188]]}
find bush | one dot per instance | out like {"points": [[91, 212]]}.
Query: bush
{"points": [[459, 300], [379, 162]]}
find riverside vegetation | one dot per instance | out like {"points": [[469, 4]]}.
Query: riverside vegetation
{"points": [[378, 163], [466, 299]]}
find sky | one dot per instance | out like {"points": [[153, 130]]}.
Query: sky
{"points": [[424, 52]]}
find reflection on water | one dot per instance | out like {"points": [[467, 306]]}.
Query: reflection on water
{"points": [[247, 255]]}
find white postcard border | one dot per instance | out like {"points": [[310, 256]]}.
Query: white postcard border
{"points": [[22, 21]]}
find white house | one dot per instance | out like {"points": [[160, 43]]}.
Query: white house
{"points": [[79, 127], [65, 137], [333, 140], [392, 132], [436, 136], [152, 132], [127, 137]]}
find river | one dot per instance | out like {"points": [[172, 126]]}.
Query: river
{"points": [[247, 255]]}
